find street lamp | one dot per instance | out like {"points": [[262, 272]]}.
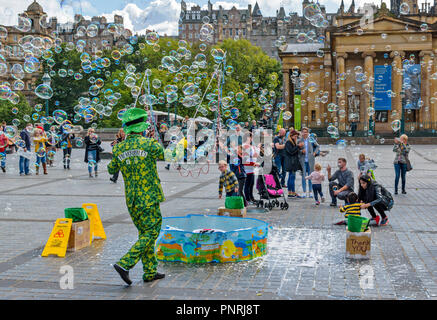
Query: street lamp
{"points": [[47, 81]]}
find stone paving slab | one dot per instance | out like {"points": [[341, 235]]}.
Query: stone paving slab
{"points": [[306, 252]]}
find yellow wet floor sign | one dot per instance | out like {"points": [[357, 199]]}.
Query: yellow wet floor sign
{"points": [[96, 230], [58, 240]]}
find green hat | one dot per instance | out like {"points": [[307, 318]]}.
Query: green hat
{"points": [[134, 120]]}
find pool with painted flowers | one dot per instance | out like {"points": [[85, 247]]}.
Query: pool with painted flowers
{"points": [[209, 238]]}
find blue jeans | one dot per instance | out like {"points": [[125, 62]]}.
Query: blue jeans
{"points": [[279, 162], [317, 189], [92, 155], [306, 172], [400, 171], [291, 182], [24, 165], [41, 160], [3, 157]]}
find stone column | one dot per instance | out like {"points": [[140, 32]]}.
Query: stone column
{"points": [[433, 101], [368, 69], [396, 78], [424, 117], [341, 100]]}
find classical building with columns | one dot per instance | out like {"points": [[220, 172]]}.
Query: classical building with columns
{"points": [[379, 67]]}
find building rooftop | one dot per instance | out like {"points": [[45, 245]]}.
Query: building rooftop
{"points": [[303, 47]]}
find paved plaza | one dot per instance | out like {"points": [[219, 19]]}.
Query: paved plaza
{"points": [[306, 252]]}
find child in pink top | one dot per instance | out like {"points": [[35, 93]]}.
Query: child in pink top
{"points": [[316, 178]]}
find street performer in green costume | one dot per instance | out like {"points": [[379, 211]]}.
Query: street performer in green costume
{"points": [[136, 158]]}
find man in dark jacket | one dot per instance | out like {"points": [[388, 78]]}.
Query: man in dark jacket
{"points": [[345, 184], [24, 162]]}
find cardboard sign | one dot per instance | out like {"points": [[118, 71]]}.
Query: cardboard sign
{"points": [[358, 244], [58, 240], [96, 226], [79, 235]]}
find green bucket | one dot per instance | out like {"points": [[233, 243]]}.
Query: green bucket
{"points": [[234, 202], [77, 214], [357, 223]]}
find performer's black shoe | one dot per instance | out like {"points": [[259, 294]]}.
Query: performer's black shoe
{"points": [[156, 277], [124, 274]]}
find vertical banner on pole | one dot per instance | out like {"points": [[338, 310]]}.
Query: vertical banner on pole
{"points": [[297, 112], [382, 87]]}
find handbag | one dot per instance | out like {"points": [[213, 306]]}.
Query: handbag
{"points": [[409, 167]]}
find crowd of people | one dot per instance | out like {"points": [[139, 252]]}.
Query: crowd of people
{"points": [[45, 145], [294, 152]]}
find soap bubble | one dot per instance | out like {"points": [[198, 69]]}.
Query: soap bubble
{"points": [[44, 91], [396, 125], [311, 11], [286, 115], [404, 8], [59, 116], [79, 142], [332, 129], [92, 30], [152, 38], [341, 144]]}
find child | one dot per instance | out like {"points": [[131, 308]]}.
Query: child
{"points": [[366, 166], [40, 139], [4, 143], [228, 180], [354, 207], [316, 179]]}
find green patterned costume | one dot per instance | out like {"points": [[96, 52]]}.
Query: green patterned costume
{"points": [[136, 159]]}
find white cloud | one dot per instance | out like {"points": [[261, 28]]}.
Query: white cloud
{"points": [[53, 8], [160, 15]]}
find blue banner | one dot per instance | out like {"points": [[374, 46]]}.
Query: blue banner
{"points": [[411, 86], [382, 87]]}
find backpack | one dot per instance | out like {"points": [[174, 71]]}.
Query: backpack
{"points": [[387, 197]]}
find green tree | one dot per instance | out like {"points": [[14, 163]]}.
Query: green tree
{"points": [[10, 111], [246, 69]]}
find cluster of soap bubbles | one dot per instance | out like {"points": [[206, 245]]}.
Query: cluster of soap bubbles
{"points": [[313, 14]]}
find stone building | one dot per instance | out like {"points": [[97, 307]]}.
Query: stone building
{"points": [[379, 67], [35, 27], [265, 32], [104, 35], [32, 22]]}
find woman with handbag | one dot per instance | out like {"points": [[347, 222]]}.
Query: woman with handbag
{"points": [[92, 151], [291, 162], [401, 161]]}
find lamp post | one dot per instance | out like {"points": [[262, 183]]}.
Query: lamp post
{"points": [[47, 81]]}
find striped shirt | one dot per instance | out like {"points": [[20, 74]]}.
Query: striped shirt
{"points": [[229, 181], [354, 208]]}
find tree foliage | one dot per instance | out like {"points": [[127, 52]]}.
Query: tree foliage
{"points": [[254, 74]]}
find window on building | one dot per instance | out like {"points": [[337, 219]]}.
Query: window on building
{"points": [[230, 32], [15, 38], [29, 86], [198, 16], [190, 36], [244, 32], [313, 115], [381, 116], [190, 26], [213, 16]]}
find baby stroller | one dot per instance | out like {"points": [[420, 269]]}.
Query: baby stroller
{"points": [[269, 188]]}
